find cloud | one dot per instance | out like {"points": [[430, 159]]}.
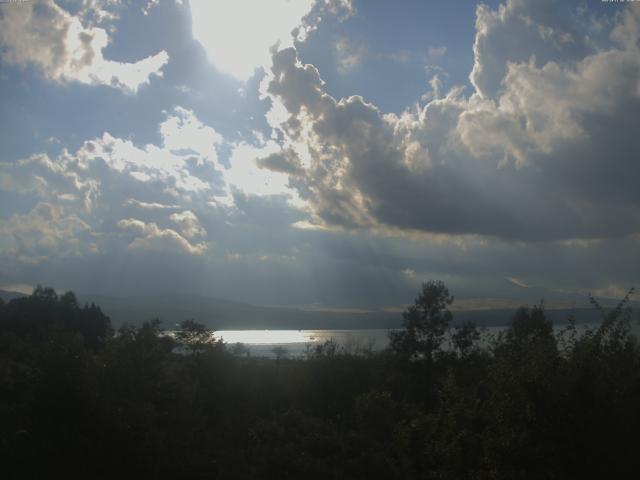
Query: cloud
{"points": [[46, 230], [182, 133], [517, 282], [45, 35], [611, 291], [260, 170], [531, 155], [433, 52], [409, 273], [150, 205], [51, 179], [109, 184], [517, 32], [348, 54], [189, 225], [285, 161], [122, 198], [99, 11], [151, 237], [185, 162], [150, 5], [524, 177], [340, 9]]}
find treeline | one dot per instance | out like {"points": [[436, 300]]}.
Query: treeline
{"points": [[79, 400]]}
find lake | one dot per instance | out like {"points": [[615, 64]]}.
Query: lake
{"points": [[262, 343]]}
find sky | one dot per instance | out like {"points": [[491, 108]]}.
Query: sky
{"points": [[325, 153]]}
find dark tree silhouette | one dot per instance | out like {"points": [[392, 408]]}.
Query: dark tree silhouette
{"points": [[530, 323], [194, 336], [280, 352], [44, 314], [137, 407], [425, 323], [464, 338]]}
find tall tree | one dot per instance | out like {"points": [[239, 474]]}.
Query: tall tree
{"points": [[425, 323]]}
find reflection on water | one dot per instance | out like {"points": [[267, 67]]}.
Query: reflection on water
{"points": [[265, 337], [296, 342]]}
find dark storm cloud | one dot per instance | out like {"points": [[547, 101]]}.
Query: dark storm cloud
{"points": [[552, 158]]}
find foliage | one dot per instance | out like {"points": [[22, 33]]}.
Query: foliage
{"points": [[465, 337], [194, 336], [44, 315], [425, 323], [81, 401]]}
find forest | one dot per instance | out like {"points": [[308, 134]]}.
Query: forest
{"points": [[82, 400]]}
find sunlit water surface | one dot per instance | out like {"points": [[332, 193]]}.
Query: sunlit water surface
{"points": [[297, 343]]}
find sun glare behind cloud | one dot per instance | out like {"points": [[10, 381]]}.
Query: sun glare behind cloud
{"points": [[237, 34]]}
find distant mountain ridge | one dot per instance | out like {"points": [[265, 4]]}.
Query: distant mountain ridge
{"points": [[221, 314], [8, 295]]}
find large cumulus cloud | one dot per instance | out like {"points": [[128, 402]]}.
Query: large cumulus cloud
{"points": [[543, 149]]}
